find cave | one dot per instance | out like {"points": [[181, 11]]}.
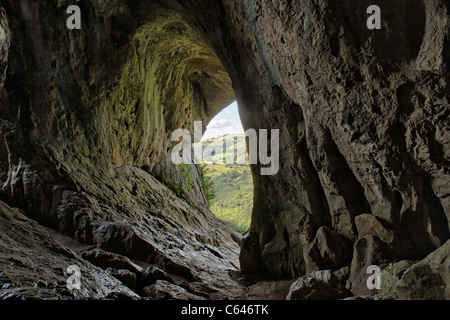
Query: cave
{"points": [[86, 118]]}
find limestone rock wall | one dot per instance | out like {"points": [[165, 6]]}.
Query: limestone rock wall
{"points": [[86, 118], [364, 124]]}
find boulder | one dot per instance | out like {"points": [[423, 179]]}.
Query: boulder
{"points": [[328, 250], [152, 274], [318, 285], [122, 239], [367, 251], [125, 276], [389, 278], [343, 274], [105, 259], [163, 290], [428, 279], [367, 224]]}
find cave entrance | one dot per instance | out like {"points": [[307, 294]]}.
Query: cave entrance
{"points": [[226, 168]]}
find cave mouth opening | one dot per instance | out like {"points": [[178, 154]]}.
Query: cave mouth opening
{"points": [[225, 163]]}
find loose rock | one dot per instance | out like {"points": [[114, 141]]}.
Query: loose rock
{"points": [[125, 276], [428, 279], [318, 285], [163, 290], [367, 251], [328, 250]]}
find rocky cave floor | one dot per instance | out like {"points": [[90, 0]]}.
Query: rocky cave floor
{"points": [[247, 287], [35, 261]]}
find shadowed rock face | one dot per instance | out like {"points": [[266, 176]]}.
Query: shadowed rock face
{"points": [[361, 131], [83, 112], [86, 118]]}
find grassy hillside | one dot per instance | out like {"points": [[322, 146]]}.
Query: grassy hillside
{"points": [[216, 150], [233, 187]]}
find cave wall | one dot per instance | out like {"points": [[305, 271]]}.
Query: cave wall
{"points": [[86, 119], [137, 74], [364, 127], [363, 120]]}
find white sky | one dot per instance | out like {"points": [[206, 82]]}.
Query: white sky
{"points": [[226, 122]]}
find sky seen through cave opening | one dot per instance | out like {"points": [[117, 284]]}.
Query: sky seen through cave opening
{"points": [[226, 122]]}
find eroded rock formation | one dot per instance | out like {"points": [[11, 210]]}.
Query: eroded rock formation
{"points": [[86, 118]]}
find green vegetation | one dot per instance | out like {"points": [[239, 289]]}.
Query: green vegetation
{"points": [[208, 185], [234, 194], [181, 186], [188, 174], [233, 189], [228, 187], [238, 149]]}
